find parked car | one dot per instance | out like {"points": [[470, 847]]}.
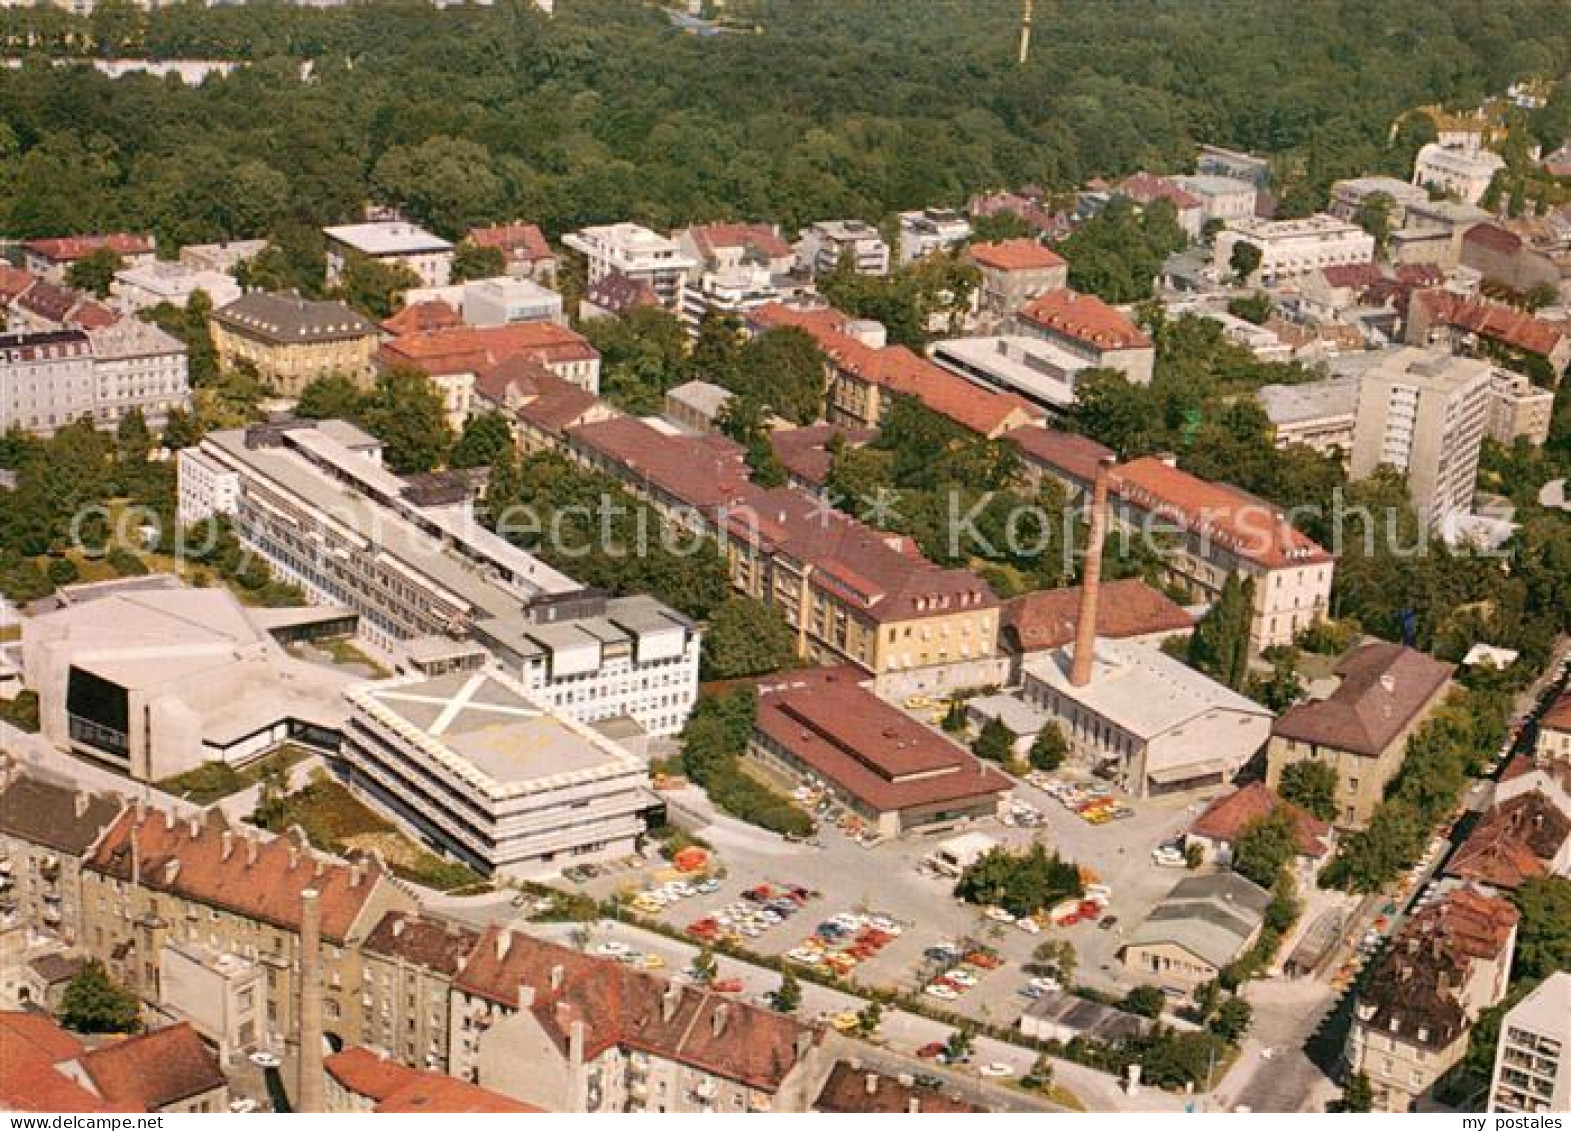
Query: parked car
{"points": [[928, 1052]]}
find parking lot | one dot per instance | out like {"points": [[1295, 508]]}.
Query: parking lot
{"points": [[875, 916]]}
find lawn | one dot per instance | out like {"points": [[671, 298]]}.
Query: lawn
{"points": [[337, 821], [213, 781]]}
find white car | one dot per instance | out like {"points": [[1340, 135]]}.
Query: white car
{"points": [[999, 914], [961, 978], [1029, 926], [942, 993], [611, 948], [264, 1059], [242, 1106], [1046, 985], [806, 956], [996, 1069]]}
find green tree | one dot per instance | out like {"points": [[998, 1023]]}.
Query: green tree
{"points": [[374, 286], [1232, 1019], [1265, 846], [485, 436], [868, 1019], [472, 261], [181, 430], [93, 1003], [994, 743], [957, 1050], [1144, 1001], [1049, 748], [1244, 260], [956, 717], [1219, 646], [405, 411], [133, 437], [787, 997], [1254, 308], [447, 182], [1311, 785], [747, 638], [1543, 943], [1023, 883], [1357, 1094], [642, 355], [705, 967], [95, 271], [332, 396], [1056, 957], [1374, 216], [784, 369]]}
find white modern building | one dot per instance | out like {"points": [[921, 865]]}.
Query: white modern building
{"points": [[633, 251], [136, 365], [46, 380], [1348, 197], [1424, 412], [141, 288], [1316, 414], [1463, 174], [931, 229], [1290, 249], [598, 658], [1533, 1059], [494, 302], [390, 241], [1518, 409], [1228, 199], [487, 773], [822, 246], [316, 503], [1153, 723], [1041, 371]]}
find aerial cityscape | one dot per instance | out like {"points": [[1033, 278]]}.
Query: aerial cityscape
{"points": [[785, 556]]}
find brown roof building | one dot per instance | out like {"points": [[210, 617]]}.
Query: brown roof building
{"points": [[47, 825], [1016, 271], [1068, 457], [896, 774], [523, 246], [1091, 330], [1442, 317], [1362, 728], [1218, 828], [852, 1089], [1519, 839], [1129, 610], [44, 1068], [360, 1080], [805, 455]]}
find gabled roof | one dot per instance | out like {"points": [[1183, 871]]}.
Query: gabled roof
{"points": [[700, 471], [68, 249], [421, 317], [432, 944], [1383, 688], [1070, 453], [1047, 618], [1492, 237], [154, 1070], [397, 1088], [31, 1045], [472, 349], [1516, 841], [246, 872], [760, 239], [621, 1007], [1143, 188], [852, 1089], [1084, 318], [1558, 717], [13, 283], [520, 243], [617, 293], [1229, 815], [54, 814], [1494, 320], [804, 452]]}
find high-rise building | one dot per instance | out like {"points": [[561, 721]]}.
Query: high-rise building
{"points": [[1532, 1072], [1424, 413]]}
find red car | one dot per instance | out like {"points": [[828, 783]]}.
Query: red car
{"points": [[728, 986], [931, 1050]]}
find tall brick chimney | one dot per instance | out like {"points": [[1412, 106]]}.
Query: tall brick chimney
{"points": [[1091, 585], [310, 1085]]}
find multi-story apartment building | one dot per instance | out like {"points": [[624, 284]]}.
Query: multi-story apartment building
{"points": [[724, 247], [635, 252], [595, 658], [1207, 532], [1033, 369], [315, 502], [1014, 272], [394, 242], [485, 770], [1554, 732], [1291, 249], [1475, 325], [1227, 199], [136, 365], [1384, 693], [291, 341], [1424, 413], [1317, 414], [1215, 161], [155, 881], [928, 230], [407, 965], [1349, 196], [565, 1032], [1462, 173], [52, 259], [1532, 1072], [46, 825], [1087, 328], [824, 244], [46, 380], [1518, 409], [1411, 1019], [472, 352]]}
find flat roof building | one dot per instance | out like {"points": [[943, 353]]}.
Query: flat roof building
{"points": [[396, 242], [636, 253], [489, 774], [825, 243], [1290, 249], [1317, 414], [1532, 1069]]}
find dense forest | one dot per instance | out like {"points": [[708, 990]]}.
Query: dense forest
{"points": [[808, 109]]}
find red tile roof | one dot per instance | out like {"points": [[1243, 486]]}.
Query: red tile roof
{"points": [[422, 317], [1383, 688], [703, 472], [1558, 717], [398, 1088], [852, 1089], [1046, 619], [1228, 816], [1493, 320], [1518, 840], [537, 396], [899, 370], [761, 239], [873, 751], [68, 249], [31, 1045], [883, 575], [471, 349], [1067, 453], [246, 872], [92, 315], [1232, 519], [1084, 318], [621, 1007], [13, 283], [155, 1070], [617, 293], [1015, 255], [804, 452], [1143, 188], [1354, 276], [1493, 237], [433, 944], [521, 243]]}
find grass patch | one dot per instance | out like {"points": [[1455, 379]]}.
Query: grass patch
{"points": [[336, 821], [346, 653], [213, 781], [21, 712]]}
